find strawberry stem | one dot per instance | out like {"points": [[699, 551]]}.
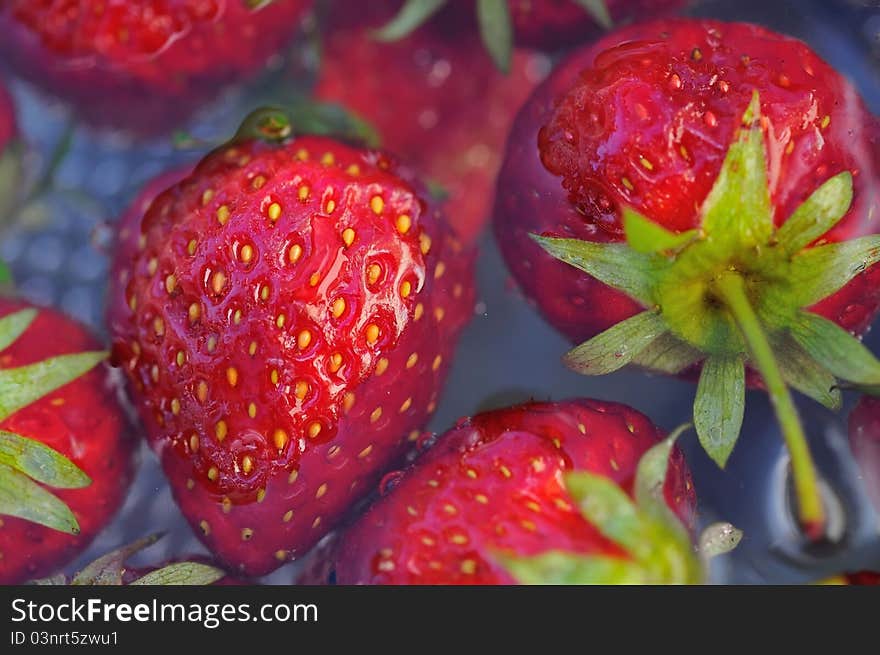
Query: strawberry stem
{"points": [[731, 290]]}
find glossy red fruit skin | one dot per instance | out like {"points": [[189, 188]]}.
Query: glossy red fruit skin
{"points": [[440, 104], [142, 66], [255, 516], [82, 421], [863, 578], [494, 482], [864, 440], [648, 79]]}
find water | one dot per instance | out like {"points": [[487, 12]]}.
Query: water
{"points": [[506, 355]]}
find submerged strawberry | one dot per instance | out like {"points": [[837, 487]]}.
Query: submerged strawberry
{"points": [[545, 24], [286, 325], [740, 169], [540, 492], [142, 65], [65, 458], [439, 104]]}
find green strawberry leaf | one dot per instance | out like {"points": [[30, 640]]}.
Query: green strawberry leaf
{"points": [[599, 11], [108, 569], [737, 213], [718, 539], [5, 274], [837, 350], [412, 15], [817, 214], [496, 31], [800, 371], [561, 568], [181, 573], [615, 348], [719, 406], [650, 478], [604, 504], [40, 463], [646, 236], [615, 264], [667, 354], [59, 579], [21, 386], [12, 326], [25, 499], [331, 119], [818, 272]]}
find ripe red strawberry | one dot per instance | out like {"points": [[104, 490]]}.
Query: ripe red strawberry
{"points": [[10, 155], [495, 487], [439, 104], [67, 457], [864, 440], [142, 65], [545, 24], [286, 324], [863, 578], [703, 143]]}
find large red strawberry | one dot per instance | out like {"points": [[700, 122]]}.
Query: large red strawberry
{"points": [[740, 168], [439, 104], [545, 24], [10, 155], [286, 324], [142, 65], [864, 440], [549, 484], [65, 452]]}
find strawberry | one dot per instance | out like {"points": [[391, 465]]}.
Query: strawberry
{"points": [[715, 182], [451, 108], [529, 493], [864, 440], [65, 457], [10, 155], [112, 569], [863, 578], [285, 325], [544, 24], [144, 65]]}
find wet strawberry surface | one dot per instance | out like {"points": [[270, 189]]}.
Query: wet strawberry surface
{"points": [[59, 247]]}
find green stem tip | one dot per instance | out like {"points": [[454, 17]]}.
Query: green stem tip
{"points": [[730, 289]]}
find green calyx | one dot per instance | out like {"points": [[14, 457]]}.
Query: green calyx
{"points": [[493, 18], [733, 293], [276, 124], [109, 570], [658, 546], [27, 466]]}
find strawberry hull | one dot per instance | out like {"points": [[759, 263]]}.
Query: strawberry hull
{"points": [[82, 421], [286, 324], [169, 64], [818, 126]]}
